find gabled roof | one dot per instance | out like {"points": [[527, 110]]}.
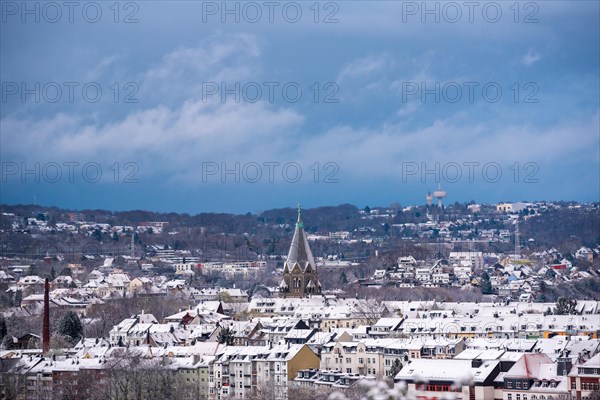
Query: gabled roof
{"points": [[528, 366]]}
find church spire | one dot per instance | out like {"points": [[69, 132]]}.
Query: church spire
{"points": [[300, 276], [299, 249], [299, 224]]}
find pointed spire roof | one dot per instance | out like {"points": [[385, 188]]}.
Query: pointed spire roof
{"points": [[299, 249]]}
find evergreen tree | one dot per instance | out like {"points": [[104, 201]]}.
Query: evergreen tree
{"points": [[226, 336], [97, 234], [486, 284], [18, 297], [566, 306], [343, 278], [70, 327], [7, 343], [396, 367], [3, 329]]}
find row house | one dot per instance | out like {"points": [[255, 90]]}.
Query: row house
{"points": [[347, 357], [511, 326], [316, 378], [246, 333], [238, 372], [144, 329], [385, 327], [68, 375], [535, 377], [204, 313], [454, 379], [375, 357], [277, 329], [584, 379]]}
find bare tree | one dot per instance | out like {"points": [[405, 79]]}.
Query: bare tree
{"points": [[133, 377], [595, 395], [296, 392], [370, 310]]}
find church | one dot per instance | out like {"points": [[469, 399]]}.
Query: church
{"points": [[300, 276]]}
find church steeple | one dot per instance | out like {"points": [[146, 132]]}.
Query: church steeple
{"points": [[299, 270], [299, 252]]}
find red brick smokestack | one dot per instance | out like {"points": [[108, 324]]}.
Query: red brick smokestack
{"points": [[46, 327]]}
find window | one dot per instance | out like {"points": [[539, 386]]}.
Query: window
{"points": [[518, 385], [509, 385], [509, 397]]}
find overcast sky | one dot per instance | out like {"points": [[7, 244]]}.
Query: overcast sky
{"points": [[196, 106]]}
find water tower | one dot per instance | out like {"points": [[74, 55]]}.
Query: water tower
{"points": [[439, 194]]}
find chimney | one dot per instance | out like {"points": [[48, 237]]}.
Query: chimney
{"points": [[46, 324]]}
